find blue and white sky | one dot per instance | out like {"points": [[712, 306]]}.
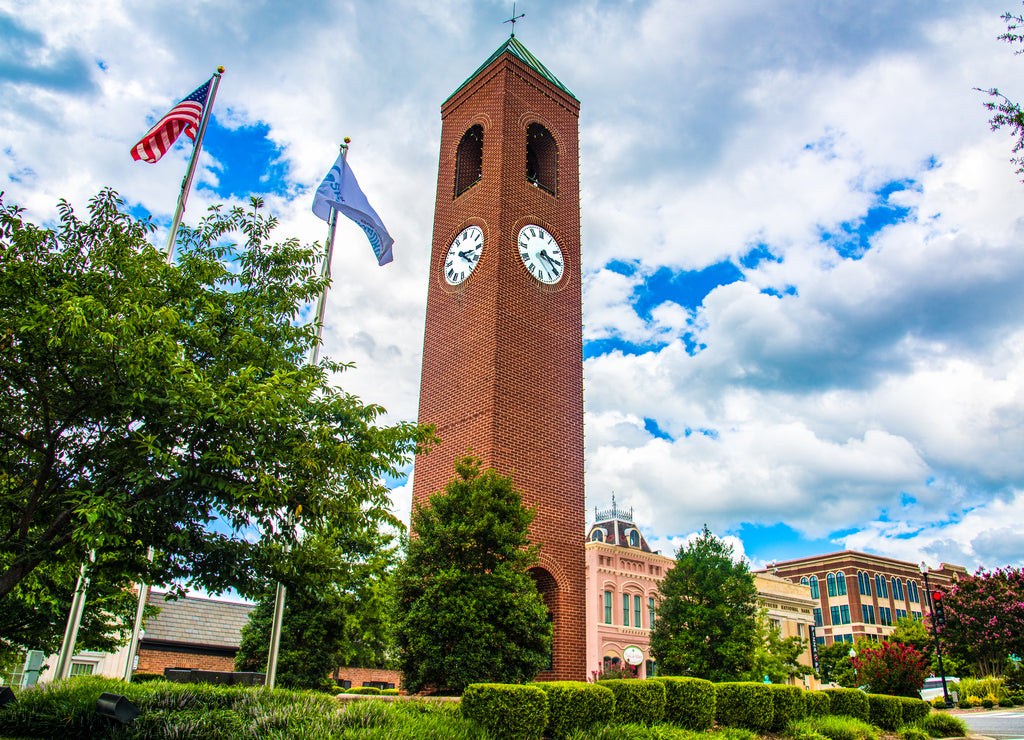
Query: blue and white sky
{"points": [[803, 247]]}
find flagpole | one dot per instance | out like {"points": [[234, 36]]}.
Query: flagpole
{"points": [[186, 184], [67, 648], [314, 354]]}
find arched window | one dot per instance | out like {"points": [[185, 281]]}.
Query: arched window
{"points": [[912, 591], [897, 588], [881, 587], [830, 579], [469, 159], [863, 583], [634, 538], [541, 158], [804, 581], [841, 583], [815, 594], [597, 535]]}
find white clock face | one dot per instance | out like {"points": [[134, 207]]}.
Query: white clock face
{"points": [[463, 255], [541, 254]]}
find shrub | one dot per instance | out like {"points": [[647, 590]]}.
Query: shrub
{"points": [[371, 690], [981, 687], [835, 728], [637, 701], [988, 702], [971, 702], [145, 677], [939, 702], [817, 704], [389, 692], [613, 672], [1006, 702], [787, 705], [576, 705], [941, 724], [913, 732], [885, 711], [744, 704], [689, 702], [891, 668], [507, 710], [849, 702], [914, 709]]}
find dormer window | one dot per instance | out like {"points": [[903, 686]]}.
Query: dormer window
{"points": [[597, 535], [634, 538]]}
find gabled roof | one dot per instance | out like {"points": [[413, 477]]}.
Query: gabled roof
{"points": [[202, 622], [516, 49]]}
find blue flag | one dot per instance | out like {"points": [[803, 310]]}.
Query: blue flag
{"points": [[340, 191]]}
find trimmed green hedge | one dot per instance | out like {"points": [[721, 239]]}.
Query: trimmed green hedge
{"points": [[507, 711], [885, 711], [914, 709], [144, 677], [637, 701], [849, 702], [371, 690], [744, 704], [689, 702], [576, 705], [817, 704], [941, 724], [787, 705]]}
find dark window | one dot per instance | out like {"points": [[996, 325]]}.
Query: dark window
{"points": [[598, 535], [830, 579], [634, 538], [607, 607], [841, 583], [541, 158], [469, 159], [817, 617], [814, 588]]}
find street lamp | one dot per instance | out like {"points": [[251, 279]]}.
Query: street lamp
{"points": [[935, 631]]}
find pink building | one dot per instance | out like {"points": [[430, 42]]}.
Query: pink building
{"points": [[623, 574]]}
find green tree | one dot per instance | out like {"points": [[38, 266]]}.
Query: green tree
{"points": [[334, 609], [1007, 113], [776, 656], [836, 666], [466, 608], [707, 617], [170, 405]]}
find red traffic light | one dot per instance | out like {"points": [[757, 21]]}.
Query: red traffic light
{"points": [[937, 595]]}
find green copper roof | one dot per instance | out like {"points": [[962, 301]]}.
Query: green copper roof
{"points": [[514, 47]]}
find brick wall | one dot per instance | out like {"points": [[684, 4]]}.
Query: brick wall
{"points": [[503, 353], [359, 675], [155, 661]]}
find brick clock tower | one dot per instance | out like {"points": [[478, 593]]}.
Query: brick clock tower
{"points": [[503, 346]]}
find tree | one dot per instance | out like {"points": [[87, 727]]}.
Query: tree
{"points": [[985, 619], [776, 656], [891, 668], [334, 611], [836, 666], [707, 616], [466, 608], [170, 405], [1007, 112]]}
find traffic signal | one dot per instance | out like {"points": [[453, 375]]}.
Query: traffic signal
{"points": [[938, 609]]}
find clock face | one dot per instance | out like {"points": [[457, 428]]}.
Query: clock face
{"points": [[541, 254], [463, 255]]}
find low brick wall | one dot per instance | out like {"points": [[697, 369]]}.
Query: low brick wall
{"points": [[155, 661], [376, 676]]}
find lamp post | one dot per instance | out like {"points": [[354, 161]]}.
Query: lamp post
{"points": [[853, 654], [935, 632]]}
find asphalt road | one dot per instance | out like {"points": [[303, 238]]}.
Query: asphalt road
{"points": [[1001, 724]]}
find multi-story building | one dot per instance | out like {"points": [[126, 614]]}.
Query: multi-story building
{"points": [[623, 575], [859, 595]]}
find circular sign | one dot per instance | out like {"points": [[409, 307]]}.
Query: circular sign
{"points": [[633, 655]]}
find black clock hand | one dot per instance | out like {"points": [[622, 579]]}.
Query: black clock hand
{"points": [[468, 256]]}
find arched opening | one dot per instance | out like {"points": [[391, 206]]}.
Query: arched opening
{"points": [[597, 535], [541, 158], [548, 588], [469, 159]]}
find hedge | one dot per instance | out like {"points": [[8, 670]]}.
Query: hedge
{"points": [[787, 705], [506, 711], [914, 709], [689, 702], [849, 702], [576, 705], [744, 704], [637, 701], [885, 711], [817, 704], [371, 690]]}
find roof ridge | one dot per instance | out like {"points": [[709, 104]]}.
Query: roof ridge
{"points": [[516, 48]]}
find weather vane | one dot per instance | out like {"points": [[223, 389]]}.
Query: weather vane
{"points": [[513, 19]]}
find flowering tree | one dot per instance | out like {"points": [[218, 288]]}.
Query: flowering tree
{"points": [[891, 668], [985, 619]]}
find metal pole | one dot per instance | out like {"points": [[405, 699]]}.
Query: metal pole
{"points": [[137, 626], [935, 632], [186, 184], [314, 353], [67, 648]]}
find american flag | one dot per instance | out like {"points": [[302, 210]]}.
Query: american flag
{"points": [[182, 117]]}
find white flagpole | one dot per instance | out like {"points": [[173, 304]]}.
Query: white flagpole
{"points": [[67, 648], [133, 645], [186, 184], [314, 355]]}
